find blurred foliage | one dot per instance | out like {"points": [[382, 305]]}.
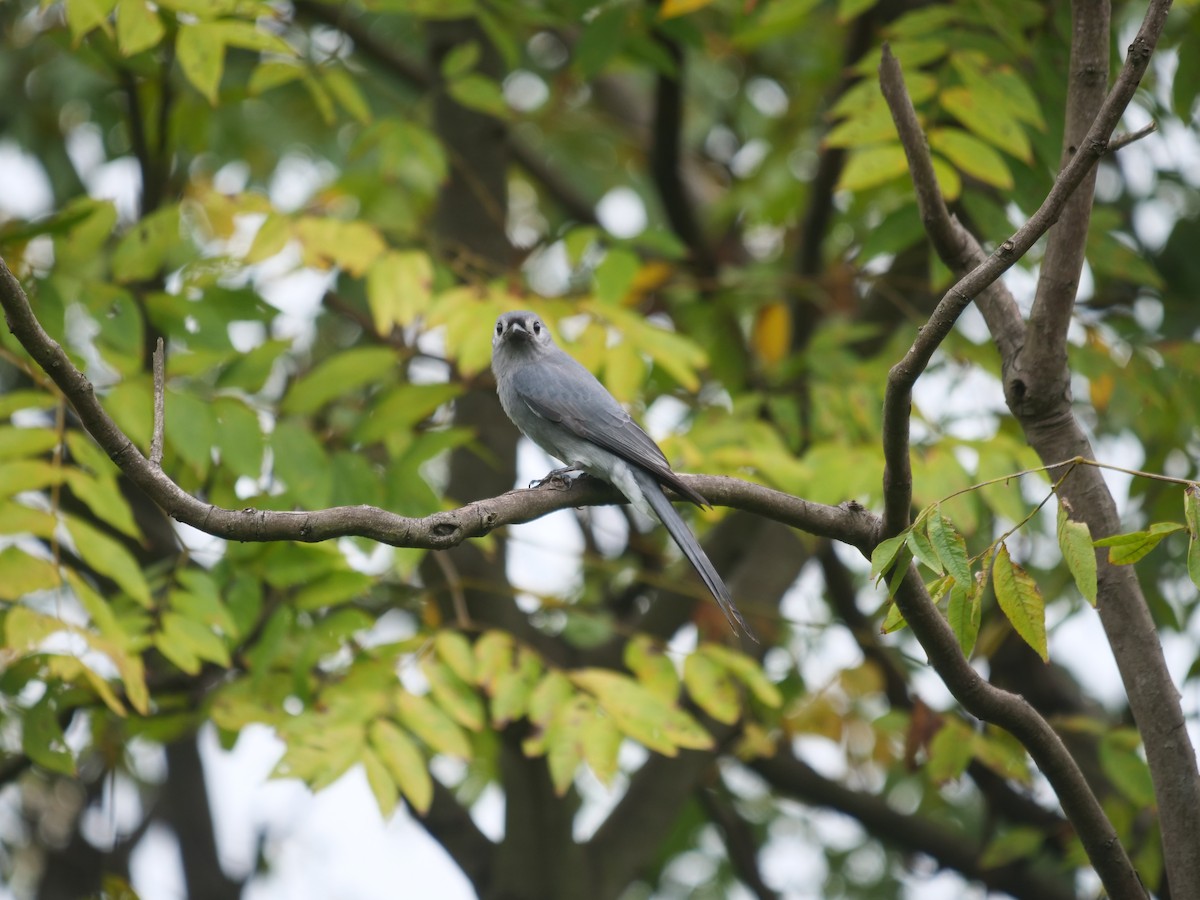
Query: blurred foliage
{"points": [[271, 150]]}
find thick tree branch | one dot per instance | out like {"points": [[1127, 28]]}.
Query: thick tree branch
{"points": [[451, 825], [898, 400], [1045, 354], [1055, 434], [914, 834]]}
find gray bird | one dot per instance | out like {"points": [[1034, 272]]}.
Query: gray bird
{"points": [[561, 407]]}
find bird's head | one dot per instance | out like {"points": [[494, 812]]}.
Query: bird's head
{"points": [[522, 329]]}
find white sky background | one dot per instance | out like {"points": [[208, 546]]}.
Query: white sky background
{"points": [[335, 844]]}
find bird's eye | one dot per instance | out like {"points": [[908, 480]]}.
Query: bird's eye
{"points": [[537, 327], [499, 328]]}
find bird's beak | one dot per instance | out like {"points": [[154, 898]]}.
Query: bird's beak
{"points": [[518, 331]]}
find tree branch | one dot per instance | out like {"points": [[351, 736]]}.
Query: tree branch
{"points": [[912, 833], [452, 826], [1055, 434], [898, 399], [1044, 358], [438, 531]]}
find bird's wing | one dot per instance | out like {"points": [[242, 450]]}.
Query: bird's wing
{"points": [[564, 392]]}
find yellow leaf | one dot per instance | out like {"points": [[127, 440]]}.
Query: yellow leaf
{"points": [[772, 338], [672, 8], [352, 245]]}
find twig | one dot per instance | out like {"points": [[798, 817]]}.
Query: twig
{"points": [[1124, 139], [454, 583], [160, 382]]}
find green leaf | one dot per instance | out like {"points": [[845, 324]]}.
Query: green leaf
{"points": [[144, 249], [972, 156], [301, 463], [239, 436], [460, 60], [601, 742], [427, 721], [872, 166], [42, 738], [405, 763], [614, 276], [1121, 762], [399, 289], [747, 671], [189, 429], [992, 123], [331, 589], [1126, 549], [455, 651], [893, 621], [711, 688], [352, 245], [453, 694], [345, 90], [493, 658], [511, 696], [1075, 541], [200, 49], [652, 667], [380, 781], [1009, 846], [884, 555], [1191, 515], [338, 375], [324, 754], [1021, 601], [964, 612], [248, 36], [186, 642], [481, 94], [18, 519], [564, 749], [109, 557], [85, 15], [138, 27], [951, 548], [947, 178], [642, 715], [921, 547], [950, 752], [18, 442], [104, 499], [29, 475], [22, 574]]}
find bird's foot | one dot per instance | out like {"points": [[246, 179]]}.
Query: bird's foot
{"points": [[558, 479]]}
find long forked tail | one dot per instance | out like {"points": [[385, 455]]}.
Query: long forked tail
{"points": [[682, 535]]}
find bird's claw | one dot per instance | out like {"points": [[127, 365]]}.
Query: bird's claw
{"points": [[557, 479]]}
